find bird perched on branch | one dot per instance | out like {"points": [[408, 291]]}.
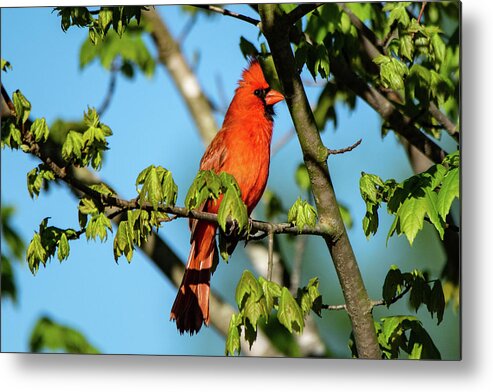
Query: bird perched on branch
{"points": [[242, 149]]}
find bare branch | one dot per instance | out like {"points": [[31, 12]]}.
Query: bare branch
{"points": [[421, 11], [226, 12], [344, 150], [275, 29], [110, 92]]}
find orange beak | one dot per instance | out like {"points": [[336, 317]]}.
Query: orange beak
{"points": [[273, 97]]}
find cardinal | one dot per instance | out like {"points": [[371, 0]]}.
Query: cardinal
{"points": [[241, 148]]}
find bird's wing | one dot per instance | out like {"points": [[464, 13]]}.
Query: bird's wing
{"points": [[216, 154]]}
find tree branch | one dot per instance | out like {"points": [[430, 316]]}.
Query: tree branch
{"points": [[344, 150], [300, 11], [275, 28], [226, 12]]}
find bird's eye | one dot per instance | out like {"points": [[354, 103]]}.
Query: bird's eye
{"points": [[258, 92]]}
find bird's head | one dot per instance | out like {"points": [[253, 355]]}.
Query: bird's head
{"points": [[254, 93]]}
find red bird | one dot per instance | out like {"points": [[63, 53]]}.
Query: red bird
{"points": [[242, 149]]}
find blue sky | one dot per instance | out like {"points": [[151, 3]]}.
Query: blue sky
{"points": [[124, 308]]}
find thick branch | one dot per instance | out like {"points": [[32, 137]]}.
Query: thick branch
{"points": [[276, 28], [171, 56]]}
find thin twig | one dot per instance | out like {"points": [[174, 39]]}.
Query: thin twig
{"points": [[344, 150], [379, 302], [270, 263], [226, 12], [110, 92], [421, 12]]}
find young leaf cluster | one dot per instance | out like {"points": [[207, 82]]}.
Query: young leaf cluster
{"points": [[209, 187], [37, 178], [258, 298], [402, 334], [101, 21], [420, 291], [155, 185], [302, 214], [134, 230], [87, 147], [47, 241], [428, 195]]}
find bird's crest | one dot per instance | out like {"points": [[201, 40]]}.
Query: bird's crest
{"points": [[253, 75]]}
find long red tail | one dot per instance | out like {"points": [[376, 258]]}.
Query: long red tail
{"points": [[191, 306]]}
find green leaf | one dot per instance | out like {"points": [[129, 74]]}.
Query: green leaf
{"points": [[88, 206], [22, 106], [432, 212], [253, 309], [421, 344], [436, 301], [40, 130], [406, 46], [289, 313], [392, 285], [302, 214], [233, 338], [5, 65], [392, 71], [411, 217], [206, 185], [63, 247], [36, 253], [309, 298], [105, 17], [272, 292], [370, 185], [157, 187], [448, 192], [123, 241], [98, 226], [418, 83], [103, 189], [36, 178], [11, 134], [72, 147], [438, 48], [48, 335], [247, 286], [420, 292], [397, 13], [232, 206]]}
